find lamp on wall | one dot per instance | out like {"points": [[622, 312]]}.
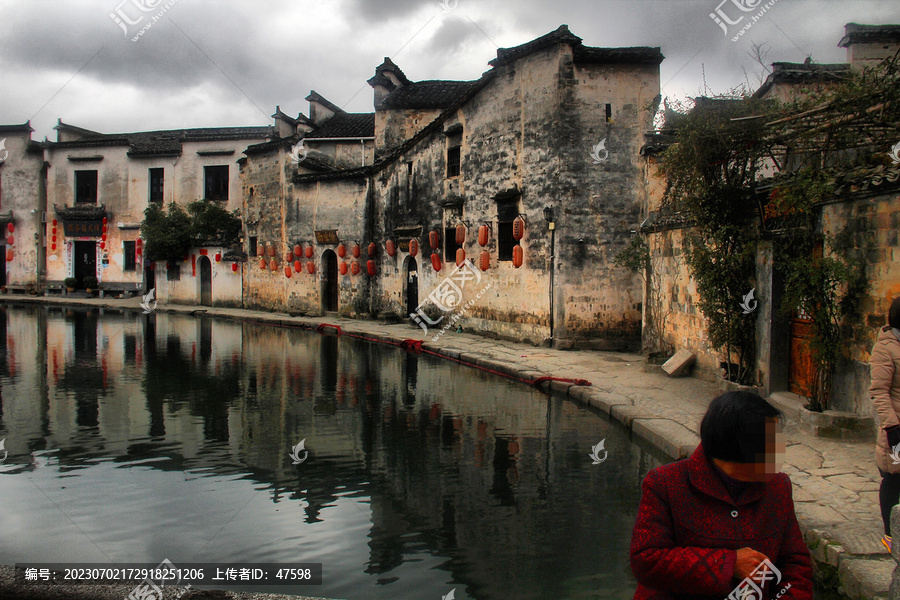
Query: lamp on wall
{"points": [[548, 216]]}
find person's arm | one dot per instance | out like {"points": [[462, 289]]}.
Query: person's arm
{"points": [[659, 564], [881, 370], [793, 559]]}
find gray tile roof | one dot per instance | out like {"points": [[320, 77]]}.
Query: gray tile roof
{"points": [[855, 33], [346, 125], [808, 72], [427, 94], [165, 142]]}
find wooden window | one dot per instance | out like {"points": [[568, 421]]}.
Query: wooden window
{"points": [[252, 245], [454, 160], [156, 185], [86, 187], [450, 245], [216, 182], [506, 214], [130, 257]]}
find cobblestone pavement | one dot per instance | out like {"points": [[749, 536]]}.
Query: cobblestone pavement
{"points": [[835, 482]]}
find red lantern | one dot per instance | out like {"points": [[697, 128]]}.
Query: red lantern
{"points": [[102, 245], [139, 242], [262, 263], [354, 268], [10, 240], [53, 246], [519, 228], [342, 250], [433, 239], [298, 251], [485, 260], [137, 251], [518, 256], [460, 234], [390, 248], [311, 267], [356, 251], [10, 227], [53, 239], [105, 220], [9, 255], [298, 266], [373, 248], [218, 257], [436, 261], [273, 264], [54, 222], [288, 272], [413, 247], [370, 267], [271, 250], [103, 237], [460, 256], [309, 252], [234, 267], [343, 268]]}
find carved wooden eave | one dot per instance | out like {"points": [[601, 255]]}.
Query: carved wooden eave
{"points": [[84, 212]]}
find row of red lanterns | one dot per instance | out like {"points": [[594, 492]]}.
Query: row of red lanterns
{"points": [[10, 240]]}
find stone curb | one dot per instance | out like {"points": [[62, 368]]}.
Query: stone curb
{"points": [[858, 576]]}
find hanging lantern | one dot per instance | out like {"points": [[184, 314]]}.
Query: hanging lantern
{"points": [[390, 248], [342, 250], [354, 268], [298, 266], [370, 267], [53, 239], [356, 251], [103, 237], [288, 272], [10, 240], [485, 260], [105, 220], [53, 246], [10, 227], [138, 251], [311, 267], [262, 263], [273, 264], [288, 256], [436, 261], [218, 257], [413, 247], [373, 248], [343, 268], [518, 256], [433, 239], [309, 252], [234, 267], [519, 228], [9, 254], [460, 234], [460, 256], [298, 251], [102, 245], [54, 222]]}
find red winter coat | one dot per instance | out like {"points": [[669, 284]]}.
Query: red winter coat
{"points": [[688, 529]]}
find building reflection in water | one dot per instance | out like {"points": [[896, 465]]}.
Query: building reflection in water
{"points": [[448, 474]]}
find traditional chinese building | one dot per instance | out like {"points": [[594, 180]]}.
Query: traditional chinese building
{"points": [[532, 171]]}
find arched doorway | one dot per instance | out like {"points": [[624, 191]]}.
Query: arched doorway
{"points": [[205, 268], [330, 281], [411, 285]]}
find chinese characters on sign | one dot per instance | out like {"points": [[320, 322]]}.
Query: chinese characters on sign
{"points": [[83, 228]]}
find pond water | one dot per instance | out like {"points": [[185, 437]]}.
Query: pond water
{"points": [[136, 438]]}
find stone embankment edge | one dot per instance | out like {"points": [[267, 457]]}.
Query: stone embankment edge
{"points": [[670, 437]]}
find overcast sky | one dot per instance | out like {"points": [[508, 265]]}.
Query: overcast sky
{"points": [[207, 63]]}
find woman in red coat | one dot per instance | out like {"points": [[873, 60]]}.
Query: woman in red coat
{"points": [[721, 523]]}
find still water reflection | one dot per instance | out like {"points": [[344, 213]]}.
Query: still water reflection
{"points": [[133, 439]]}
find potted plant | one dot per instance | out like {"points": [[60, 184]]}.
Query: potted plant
{"points": [[70, 283], [91, 284]]}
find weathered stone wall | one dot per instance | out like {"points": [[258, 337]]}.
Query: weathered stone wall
{"points": [[395, 126], [22, 188]]}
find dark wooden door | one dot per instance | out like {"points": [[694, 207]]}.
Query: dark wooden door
{"points": [[330, 285], [85, 261], [205, 281], [412, 286], [802, 372]]}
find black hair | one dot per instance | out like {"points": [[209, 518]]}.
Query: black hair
{"points": [[894, 313], [734, 427]]}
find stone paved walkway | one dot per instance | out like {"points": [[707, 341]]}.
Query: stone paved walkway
{"points": [[835, 482]]}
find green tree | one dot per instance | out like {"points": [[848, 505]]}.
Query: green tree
{"points": [[167, 235]]}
